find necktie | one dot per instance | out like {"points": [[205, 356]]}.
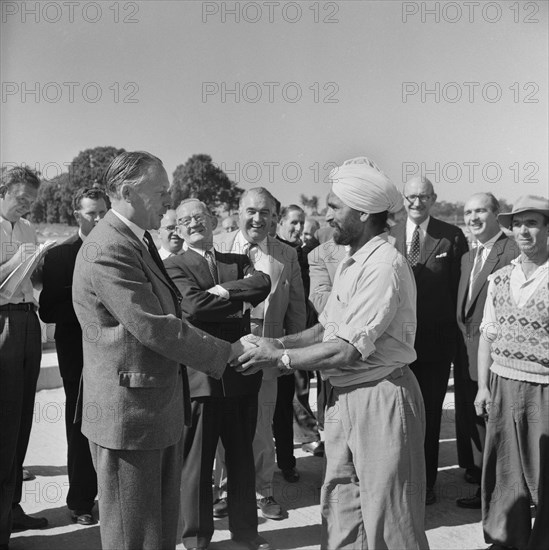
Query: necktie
{"points": [[208, 255], [477, 266], [413, 255], [158, 261], [250, 250]]}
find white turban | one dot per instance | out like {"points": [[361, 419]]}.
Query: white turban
{"points": [[361, 185]]}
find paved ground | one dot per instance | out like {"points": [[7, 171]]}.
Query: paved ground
{"points": [[448, 527]]}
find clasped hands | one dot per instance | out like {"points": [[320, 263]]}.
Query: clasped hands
{"points": [[252, 353]]}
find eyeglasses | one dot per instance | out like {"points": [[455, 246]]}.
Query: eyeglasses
{"points": [[186, 222], [422, 198]]}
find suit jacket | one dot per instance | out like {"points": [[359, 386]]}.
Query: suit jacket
{"points": [[323, 263], [437, 279], [56, 305], [219, 316], [469, 312], [285, 305], [135, 393]]}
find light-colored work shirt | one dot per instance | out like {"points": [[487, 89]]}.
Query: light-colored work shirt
{"points": [[22, 232], [373, 307]]}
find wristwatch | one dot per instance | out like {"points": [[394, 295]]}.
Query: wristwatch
{"points": [[285, 358]]}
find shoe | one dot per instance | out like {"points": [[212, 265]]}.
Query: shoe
{"points": [[316, 448], [270, 508], [472, 475], [22, 522], [430, 497], [473, 503], [198, 548], [27, 476], [500, 547], [220, 508], [259, 543], [82, 517], [291, 475]]}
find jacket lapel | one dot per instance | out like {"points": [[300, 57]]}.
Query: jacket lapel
{"points": [[122, 228], [489, 266], [199, 268], [463, 289], [429, 244]]}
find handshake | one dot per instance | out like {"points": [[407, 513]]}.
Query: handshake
{"points": [[252, 353]]}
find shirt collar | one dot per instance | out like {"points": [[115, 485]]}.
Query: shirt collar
{"points": [[410, 226], [365, 251], [201, 251], [488, 245], [135, 229], [240, 243]]}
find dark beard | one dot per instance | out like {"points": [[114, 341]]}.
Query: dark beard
{"points": [[341, 236]]}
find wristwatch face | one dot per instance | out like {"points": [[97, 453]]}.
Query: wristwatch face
{"points": [[285, 360]]}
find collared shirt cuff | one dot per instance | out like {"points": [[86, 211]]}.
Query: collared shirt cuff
{"points": [[219, 291]]}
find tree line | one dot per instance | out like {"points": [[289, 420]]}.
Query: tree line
{"points": [[199, 177]]}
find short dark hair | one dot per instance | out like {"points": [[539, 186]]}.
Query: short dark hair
{"points": [[128, 167], [20, 174], [94, 193], [285, 212]]}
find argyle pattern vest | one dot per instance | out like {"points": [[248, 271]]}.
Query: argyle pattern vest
{"points": [[523, 333]]}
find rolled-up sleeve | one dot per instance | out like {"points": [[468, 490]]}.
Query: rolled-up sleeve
{"points": [[364, 318]]}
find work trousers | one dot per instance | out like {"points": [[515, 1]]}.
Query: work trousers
{"points": [[373, 496]]}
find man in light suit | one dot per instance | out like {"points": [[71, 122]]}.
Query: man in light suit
{"points": [[214, 287], [135, 387], [282, 313], [493, 251], [434, 250], [90, 205]]}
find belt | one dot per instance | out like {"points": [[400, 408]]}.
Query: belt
{"points": [[28, 306], [396, 373]]}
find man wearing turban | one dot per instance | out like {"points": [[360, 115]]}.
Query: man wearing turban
{"points": [[373, 490]]}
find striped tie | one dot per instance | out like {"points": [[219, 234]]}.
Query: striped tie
{"points": [[211, 265]]}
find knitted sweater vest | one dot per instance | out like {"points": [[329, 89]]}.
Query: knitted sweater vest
{"points": [[521, 350]]}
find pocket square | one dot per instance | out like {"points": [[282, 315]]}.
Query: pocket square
{"points": [[443, 255]]}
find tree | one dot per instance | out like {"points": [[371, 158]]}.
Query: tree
{"points": [[54, 201], [200, 178], [89, 166], [310, 203]]}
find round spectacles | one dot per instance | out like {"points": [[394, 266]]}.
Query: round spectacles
{"points": [[186, 222], [413, 198]]}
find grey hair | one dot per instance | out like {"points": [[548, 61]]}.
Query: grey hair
{"points": [[128, 167]]}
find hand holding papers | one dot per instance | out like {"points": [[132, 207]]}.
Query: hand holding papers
{"points": [[29, 258]]}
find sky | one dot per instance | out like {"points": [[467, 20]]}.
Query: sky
{"points": [[277, 93]]}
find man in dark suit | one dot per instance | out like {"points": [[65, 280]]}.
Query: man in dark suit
{"points": [[493, 251], [89, 206], [434, 250], [135, 388], [215, 287]]}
